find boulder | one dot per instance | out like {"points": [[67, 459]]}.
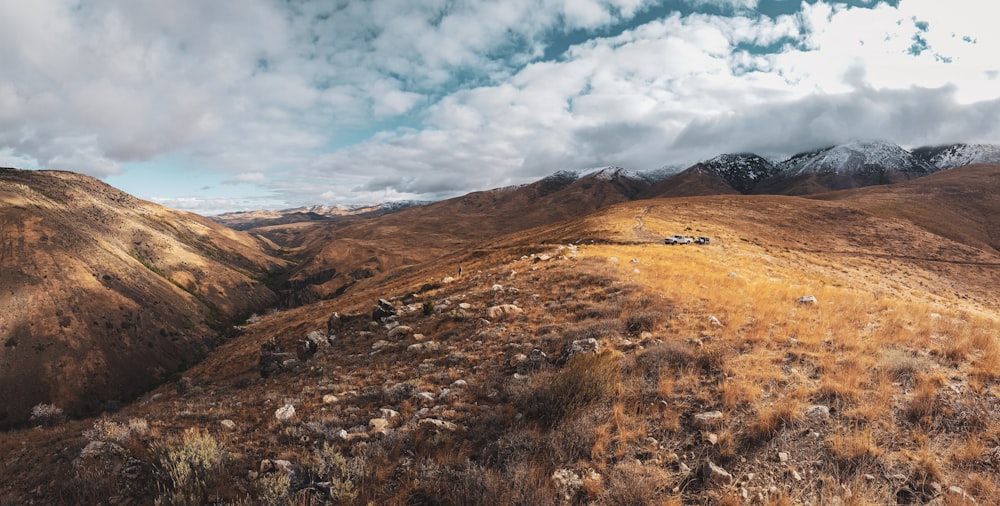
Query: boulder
{"points": [[707, 420], [502, 311], [285, 413], [228, 424], [272, 358], [383, 309], [437, 424], [807, 299], [714, 476], [817, 411], [589, 345], [400, 332]]}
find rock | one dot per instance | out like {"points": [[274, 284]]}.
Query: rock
{"points": [[270, 466], [341, 434], [438, 424], [817, 411], [447, 280], [464, 305], [285, 413], [305, 349], [419, 337], [102, 453], [712, 320], [330, 399], [589, 345], [710, 437], [808, 299], [714, 476], [400, 332], [272, 358], [795, 475], [415, 347], [378, 425], [383, 309], [459, 383], [960, 493], [567, 483], [378, 345], [389, 414], [782, 457], [502, 311], [707, 420], [228, 424], [334, 323], [425, 396]]}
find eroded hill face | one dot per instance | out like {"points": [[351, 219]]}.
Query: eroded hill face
{"points": [[585, 361], [103, 295]]}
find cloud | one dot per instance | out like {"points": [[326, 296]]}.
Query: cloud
{"points": [[450, 97]]}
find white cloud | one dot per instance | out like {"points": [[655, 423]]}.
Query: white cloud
{"points": [[261, 89]]}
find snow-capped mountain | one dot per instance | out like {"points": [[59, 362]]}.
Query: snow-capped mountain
{"points": [[864, 158], [950, 156], [741, 170]]}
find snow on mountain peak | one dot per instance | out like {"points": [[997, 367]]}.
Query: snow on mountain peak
{"points": [[951, 156], [856, 157]]}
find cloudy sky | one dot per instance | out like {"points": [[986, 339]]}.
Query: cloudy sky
{"points": [[227, 105]]}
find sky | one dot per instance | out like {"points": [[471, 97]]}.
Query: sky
{"points": [[228, 105]]}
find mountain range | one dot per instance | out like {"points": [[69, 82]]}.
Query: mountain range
{"points": [[530, 344]]}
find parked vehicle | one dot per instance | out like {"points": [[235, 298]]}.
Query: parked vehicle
{"points": [[702, 240], [678, 239]]}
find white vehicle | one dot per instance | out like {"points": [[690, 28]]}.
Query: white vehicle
{"points": [[678, 239]]}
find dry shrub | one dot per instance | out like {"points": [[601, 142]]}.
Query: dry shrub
{"points": [[671, 355], [925, 403], [575, 437], [344, 474], [189, 467], [854, 449], [585, 380], [902, 365], [471, 483], [632, 483], [772, 418], [642, 321]]}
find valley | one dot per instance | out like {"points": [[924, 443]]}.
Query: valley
{"points": [[537, 345]]}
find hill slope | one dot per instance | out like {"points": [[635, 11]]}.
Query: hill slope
{"points": [[104, 295], [712, 381]]}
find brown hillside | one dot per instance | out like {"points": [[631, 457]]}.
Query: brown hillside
{"points": [[103, 295], [693, 182], [881, 391], [337, 255]]}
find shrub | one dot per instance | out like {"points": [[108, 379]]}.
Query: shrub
{"points": [[586, 379], [343, 474], [46, 414], [189, 467], [642, 321]]}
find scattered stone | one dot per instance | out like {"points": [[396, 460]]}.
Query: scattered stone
{"points": [[400, 332], [567, 483], [714, 476], [341, 434], [378, 345], [502, 311], [795, 475], [330, 399], [448, 279], [285, 413], [712, 320], [710, 437], [707, 420], [782, 457], [808, 299], [389, 414], [419, 337], [334, 323], [589, 345], [960, 492], [439, 424], [464, 305], [497, 287], [613, 260], [270, 466], [459, 383], [817, 411], [228, 424], [415, 347], [378, 425], [425, 396]]}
